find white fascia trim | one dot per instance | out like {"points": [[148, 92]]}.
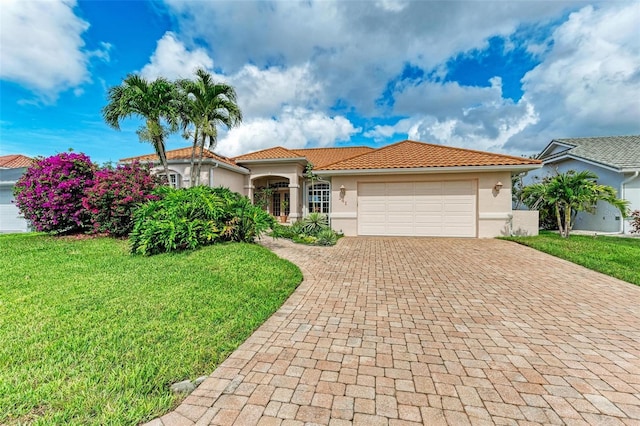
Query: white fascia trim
{"points": [[577, 158], [8, 182], [344, 215], [555, 143], [631, 170], [430, 170], [495, 216], [215, 163]]}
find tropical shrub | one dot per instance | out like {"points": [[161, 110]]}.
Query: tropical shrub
{"points": [[566, 194], [327, 237], [115, 194], [49, 195], [635, 222], [312, 230], [314, 223], [192, 217]]}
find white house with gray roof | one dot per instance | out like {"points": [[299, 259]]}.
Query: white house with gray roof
{"points": [[616, 161]]}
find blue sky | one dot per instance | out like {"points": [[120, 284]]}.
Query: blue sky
{"points": [[499, 76]]}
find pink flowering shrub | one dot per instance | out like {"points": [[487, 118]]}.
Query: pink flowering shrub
{"points": [[115, 194], [49, 194]]}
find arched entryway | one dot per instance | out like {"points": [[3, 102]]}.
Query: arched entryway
{"points": [[273, 194]]}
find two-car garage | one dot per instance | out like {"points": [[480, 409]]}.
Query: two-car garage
{"points": [[435, 209]]}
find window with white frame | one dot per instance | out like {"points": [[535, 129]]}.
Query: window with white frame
{"points": [[318, 197], [173, 181]]}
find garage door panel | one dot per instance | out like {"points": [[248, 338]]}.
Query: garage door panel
{"points": [[372, 189], [443, 208]]}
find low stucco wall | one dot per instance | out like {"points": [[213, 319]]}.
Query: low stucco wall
{"points": [[525, 223]]}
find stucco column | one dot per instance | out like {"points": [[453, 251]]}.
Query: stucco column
{"points": [[249, 187], [294, 199]]}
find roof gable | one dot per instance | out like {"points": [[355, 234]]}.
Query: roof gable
{"points": [[411, 154], [274, 153], [319, 157], [617, 152], [180, 154]]}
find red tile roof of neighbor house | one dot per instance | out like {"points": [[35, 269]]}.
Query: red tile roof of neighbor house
{"points": [[15, 161], [180, 154], [319, 157], [410, 154]]}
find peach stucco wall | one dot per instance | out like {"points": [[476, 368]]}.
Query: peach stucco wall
{"points": [[210, 176], [493, 208], [272, 173]]}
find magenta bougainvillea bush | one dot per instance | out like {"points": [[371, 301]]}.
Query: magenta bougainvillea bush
{"points": [[50, 193], [115, 194], [67, 193]]}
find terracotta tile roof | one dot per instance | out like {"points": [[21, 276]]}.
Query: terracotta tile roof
{"points": [[411, 154], [268, 154], [15, 161], [180, 154], [321, 157]]}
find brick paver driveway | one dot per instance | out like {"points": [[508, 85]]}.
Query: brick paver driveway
{"points": [[415, 330]]}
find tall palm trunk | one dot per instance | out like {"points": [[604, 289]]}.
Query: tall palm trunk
{"points": [[567, 221], [159, 145], [193, 158], [559, 218]]}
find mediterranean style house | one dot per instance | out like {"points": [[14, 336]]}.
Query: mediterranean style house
{"points": [[405, 189], [616, 161]]}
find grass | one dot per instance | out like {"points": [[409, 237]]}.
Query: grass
{"points": [[92, 335], [614, 256]]}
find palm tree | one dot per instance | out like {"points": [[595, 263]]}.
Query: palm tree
{"points": [[154, 101], [207, 104], [569, 193]]}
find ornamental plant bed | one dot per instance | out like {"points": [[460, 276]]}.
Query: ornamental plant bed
{"points": [[93, 335]]}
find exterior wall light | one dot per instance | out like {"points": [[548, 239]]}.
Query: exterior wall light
{"points": [[343, 191], [498, 186]]}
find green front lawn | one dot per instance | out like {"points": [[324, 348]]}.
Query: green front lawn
{"points": [[615, 256], [92, 335]]}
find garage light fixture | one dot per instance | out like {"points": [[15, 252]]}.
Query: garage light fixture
{"points": [[498, 186], [342, 192]]}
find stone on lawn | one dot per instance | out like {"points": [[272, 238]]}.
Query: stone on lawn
{"points": [[185, 386]]}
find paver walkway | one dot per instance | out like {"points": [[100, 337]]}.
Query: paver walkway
{"points": [[401, 331]]}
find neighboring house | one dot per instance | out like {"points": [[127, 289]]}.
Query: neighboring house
{"points": [[405, 189], [12, 167], [616, 161]]}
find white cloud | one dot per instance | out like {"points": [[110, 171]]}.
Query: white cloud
{"points": [[264, 92], [294, 128], [280, 105], [173, 60], [392, 5], [355, 47], [309, 56], [42, 46], [589, 80], [464, 116]]}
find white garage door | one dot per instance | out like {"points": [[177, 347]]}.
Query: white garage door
{"points": [[434, 209], [10, 220]]}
